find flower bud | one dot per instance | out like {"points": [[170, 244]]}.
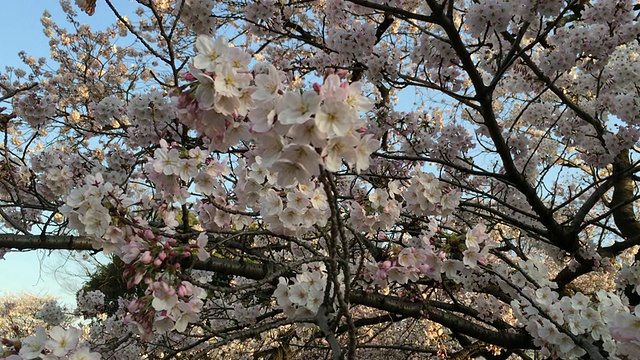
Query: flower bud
{"points": [[146, 257], [182, 290]]}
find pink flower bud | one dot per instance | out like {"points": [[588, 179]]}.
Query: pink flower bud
{"points": [[132, 307], [189, 77], [138, 277], [182, 291], [317, 87], [146, 257], [157, 262], [162, 255]]}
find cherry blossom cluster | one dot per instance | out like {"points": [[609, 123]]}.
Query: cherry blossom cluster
{"points": [[90, 303], [34, 109], [537, 274], [262, 12], [57, 345], [230, 100], [489, 307], [381, 212], [245, 315], [116, 329], [586, 40], [169, 166], [566, 326], [150, 114], [170, 303], [623, 328], [52, 313], [357, 41], [422, 259], [166, 307], [303, 295], [426, 195], [88, 209], [478, 245], [621, 73], [447, 138], [196, 14], [108, 110], [119, 165], [57, 171], [436, 53], [494, 13], [296, 210], [409, 265], [629, 276]]}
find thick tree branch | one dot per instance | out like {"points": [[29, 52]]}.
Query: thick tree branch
{"points": [[458, 324], [394, 305], [556, 233], [48, 242]]}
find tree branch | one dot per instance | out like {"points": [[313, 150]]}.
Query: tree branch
{"points": [[394, 305]]}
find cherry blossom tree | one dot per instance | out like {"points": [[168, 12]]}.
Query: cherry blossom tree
{"points": [[21, 314], [336, 179]]}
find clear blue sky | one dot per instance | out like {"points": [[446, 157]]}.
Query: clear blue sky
{"points": [[39, 272]]}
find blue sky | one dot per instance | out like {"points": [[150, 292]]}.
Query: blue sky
{"points": [[39, 272]]}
